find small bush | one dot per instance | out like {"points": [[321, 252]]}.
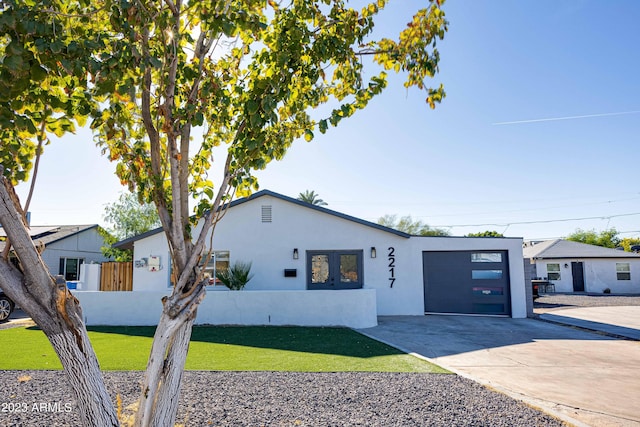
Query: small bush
{"points": [[606, 291], [236, 276]]}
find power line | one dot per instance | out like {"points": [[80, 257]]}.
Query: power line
{"points": [[503, 211], [543, 208], [553, 119], [507, 224]]}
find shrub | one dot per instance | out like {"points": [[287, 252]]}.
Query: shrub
{"points": [[606, 291], [236, 276]]}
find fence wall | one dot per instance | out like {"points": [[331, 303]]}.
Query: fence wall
{"points": [[116, 276], [354, 308]]}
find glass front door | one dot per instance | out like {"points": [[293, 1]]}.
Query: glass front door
{"points": [[334, 269]]}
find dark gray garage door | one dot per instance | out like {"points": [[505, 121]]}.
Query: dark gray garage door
{"points": [[468, 282]]}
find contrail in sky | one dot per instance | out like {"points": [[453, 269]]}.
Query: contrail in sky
{"points": [[553, 119]]}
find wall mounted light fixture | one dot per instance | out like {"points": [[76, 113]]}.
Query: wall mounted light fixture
{"points": [[295, 253], [566, 266], [373, 252]]}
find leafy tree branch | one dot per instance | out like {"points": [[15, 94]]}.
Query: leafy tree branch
{"points": [[170, 88]]}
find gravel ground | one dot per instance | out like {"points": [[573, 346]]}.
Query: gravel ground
{"points": [[284, 399], [584, 300], [42, 398]]}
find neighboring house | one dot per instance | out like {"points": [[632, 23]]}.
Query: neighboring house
{"points": [[66, 247], [314, 252], [578, 267]]}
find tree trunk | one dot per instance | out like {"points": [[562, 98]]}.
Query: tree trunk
{"points": [[56, 311], [161, 385], [83, 372]]}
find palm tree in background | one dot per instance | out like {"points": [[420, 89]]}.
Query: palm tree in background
{"points": [[312, 198]]}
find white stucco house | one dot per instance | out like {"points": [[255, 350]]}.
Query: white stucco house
{"points": [[578, 267], [67, 247], [316, 266]]}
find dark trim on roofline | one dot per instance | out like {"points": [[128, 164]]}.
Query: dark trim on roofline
{"points": [[349, 217], [66, 236], [585, 257], [58, 239], [89, 227], [320, 209], [128, 243]]}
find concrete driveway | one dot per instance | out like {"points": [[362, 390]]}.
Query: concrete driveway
{"points": [[582, 377], [18, 318]]}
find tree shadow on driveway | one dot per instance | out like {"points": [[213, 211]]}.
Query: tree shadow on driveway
{"points": [[435, 336]]}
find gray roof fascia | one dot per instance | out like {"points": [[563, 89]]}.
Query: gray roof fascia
{"points": [[623, 255], [340, 215], [564, 249], [65, 232], [128, 243]]}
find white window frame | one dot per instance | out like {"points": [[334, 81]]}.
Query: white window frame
{"points": [[63, 265], [623, 271], [211, 268], [553, 274]]}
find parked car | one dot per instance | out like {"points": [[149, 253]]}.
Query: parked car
{"points": [[6, 307]]}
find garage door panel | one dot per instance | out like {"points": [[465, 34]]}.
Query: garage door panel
{"points": [[466, 282], [493, 309]]}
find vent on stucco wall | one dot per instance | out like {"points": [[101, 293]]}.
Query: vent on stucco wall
{"points": [[266, 213]]}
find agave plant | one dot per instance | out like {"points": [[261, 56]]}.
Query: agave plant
{"points": [[236, 276]]}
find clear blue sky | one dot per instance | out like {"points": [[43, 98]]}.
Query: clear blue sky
{"points": [[567, 73]]}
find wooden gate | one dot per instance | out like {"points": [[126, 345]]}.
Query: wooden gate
{"points": [[116, 276]]}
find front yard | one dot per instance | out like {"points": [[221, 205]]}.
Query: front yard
{"points": [[299, 349]]}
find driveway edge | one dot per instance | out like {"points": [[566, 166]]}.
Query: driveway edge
{"points": [[537, 404]]}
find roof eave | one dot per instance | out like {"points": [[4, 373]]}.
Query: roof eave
{"points": [[128, 243]]}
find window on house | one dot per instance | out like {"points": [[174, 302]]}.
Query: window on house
{"points": [[623, 271], [553, 271], [70, 268], [219, 261], [486, 257], [486, 274]]}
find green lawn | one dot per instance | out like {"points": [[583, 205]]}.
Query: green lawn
{"points": [[254, 348]]}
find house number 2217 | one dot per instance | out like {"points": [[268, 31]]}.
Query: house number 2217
{"points": [[392, 266]]}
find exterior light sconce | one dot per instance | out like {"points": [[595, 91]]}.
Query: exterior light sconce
{"points": [[566, 265], [295, 253], [373, 252]]}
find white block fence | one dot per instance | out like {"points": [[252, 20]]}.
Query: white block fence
{"points": [[355, 308]]}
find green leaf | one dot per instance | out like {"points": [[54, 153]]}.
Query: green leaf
{"points": [[252, 106], [38, 73], [82, 120], [155, 62], [255, 120], [322, 126], [14, 63], [308, 135], [56, 47], [198, 119], [15, 48]]}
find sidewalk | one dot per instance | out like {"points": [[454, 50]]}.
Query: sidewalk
{"points": [[621, 322], [584, 378]]}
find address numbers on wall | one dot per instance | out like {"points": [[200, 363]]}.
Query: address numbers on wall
{"points": [[392, 266]]}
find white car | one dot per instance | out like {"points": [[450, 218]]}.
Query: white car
{"points": [[6, 307]]}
